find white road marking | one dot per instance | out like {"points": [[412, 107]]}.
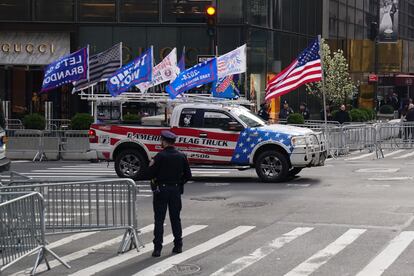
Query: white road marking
{"points": [[394, 249], [241, 263], [67, 173], [378, 170], [298, 185], [323, 256], [393, 153], [132, 254], [379, 185], [360, 156], [211, 172], [82, 169], [82, 253], [397, 178], [405, 155], [168, 263], [73, 171], [69, 239], [21, 161]]}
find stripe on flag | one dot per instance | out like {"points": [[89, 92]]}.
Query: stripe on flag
{"points": [[305, 69]]}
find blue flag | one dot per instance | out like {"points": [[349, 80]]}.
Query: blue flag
{"points": [[197, 75], [137, 71], [181, 62], [67, 69], [226, 87]]}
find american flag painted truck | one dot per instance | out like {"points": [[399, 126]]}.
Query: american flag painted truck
{"points": [[214, 136]]}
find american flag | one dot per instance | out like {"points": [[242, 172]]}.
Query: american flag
{"points": [[101, 67], [251, 137], [306, 68]]}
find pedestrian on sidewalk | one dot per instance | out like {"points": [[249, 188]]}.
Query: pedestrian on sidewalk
{"points": [[342, 116], [409, 118], [168, 171]]}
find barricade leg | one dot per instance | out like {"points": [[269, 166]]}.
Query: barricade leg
{"points": [[41, 256], [130, 240]]}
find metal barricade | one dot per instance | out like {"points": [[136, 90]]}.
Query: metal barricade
{"points": [[74, 145], [57, 124], [14, 124], [335, 139], [392, 136], [88, 206], [360, 137], [24, 144], [22, 229]]}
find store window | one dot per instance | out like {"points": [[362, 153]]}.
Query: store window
{"points": [[97, 10], [52, 10], [14, 10], [185, 11], [139, 10]]}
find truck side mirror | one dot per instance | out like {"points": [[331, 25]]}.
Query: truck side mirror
{"points": [[234, 126]]}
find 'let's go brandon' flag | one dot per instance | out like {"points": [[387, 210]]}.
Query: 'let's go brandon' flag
{"points": [[70, 68]]}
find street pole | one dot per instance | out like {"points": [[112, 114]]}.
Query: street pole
{"points": [[321, 54]]}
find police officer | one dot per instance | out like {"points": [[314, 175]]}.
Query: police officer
{"points": [[286, 111], [168, 171], [263, 112]]}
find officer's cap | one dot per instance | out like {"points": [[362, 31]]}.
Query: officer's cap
{"points": [[168, 135]]}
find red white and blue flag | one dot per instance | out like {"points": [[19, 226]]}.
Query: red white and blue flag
{"points": [[305, 69]]}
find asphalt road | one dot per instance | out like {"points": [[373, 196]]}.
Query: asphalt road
{"points": [[353, 216]]}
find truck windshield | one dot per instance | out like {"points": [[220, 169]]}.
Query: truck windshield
{"points": [[250, 119]]}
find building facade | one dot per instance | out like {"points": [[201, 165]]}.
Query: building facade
{"points": [[33, 32]]}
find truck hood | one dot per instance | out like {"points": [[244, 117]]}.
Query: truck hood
{"points": [[288, 130]]}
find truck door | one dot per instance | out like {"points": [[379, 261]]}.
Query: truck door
{"points": [[204, 136]]}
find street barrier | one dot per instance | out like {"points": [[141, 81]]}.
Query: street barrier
{"points": [[393, 136], [74, 145], [24, 144], [22, 229], [58, 124], [14, 124], [88, 206]]}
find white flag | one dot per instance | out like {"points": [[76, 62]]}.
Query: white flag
{"points": [[166, 70], [232, 63]]}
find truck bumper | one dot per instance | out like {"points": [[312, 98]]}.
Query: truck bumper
{"points": [[312, 155]]}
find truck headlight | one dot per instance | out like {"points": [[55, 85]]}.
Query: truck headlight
{"points": [[299, 141]]}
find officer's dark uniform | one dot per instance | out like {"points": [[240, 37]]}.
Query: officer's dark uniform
{"points": [[169, 172]]}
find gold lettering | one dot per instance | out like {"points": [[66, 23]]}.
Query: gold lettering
{"points": [[42, 48], [52, 48], [5, 48], [17, 48], [29, 48]]}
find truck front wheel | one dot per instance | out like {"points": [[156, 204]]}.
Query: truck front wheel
{"points": [[272, 166], [130, 164]]}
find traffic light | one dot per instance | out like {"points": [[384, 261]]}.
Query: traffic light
{"points": [[211, 17]]}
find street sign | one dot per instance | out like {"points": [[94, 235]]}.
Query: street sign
{"points": [[373, 78], [202, 58]]}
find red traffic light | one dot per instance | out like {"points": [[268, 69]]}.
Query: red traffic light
{"points": [[211, 11]]}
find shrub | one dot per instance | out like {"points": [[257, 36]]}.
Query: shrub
{"points": [[386, 109], [295, 119], [34, 121], [370, 113], [358, 115], [131, 118], [81, 121]]}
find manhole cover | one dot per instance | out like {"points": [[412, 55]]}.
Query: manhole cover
{"points": [[247, 204], [217, 184], [182, 269], [209, 198]]}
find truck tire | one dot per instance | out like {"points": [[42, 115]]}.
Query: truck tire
{"points": [[272, 166], [130, 164], [294, 171]]}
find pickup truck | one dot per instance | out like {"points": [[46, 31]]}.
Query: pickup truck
{"points": [[214, 136]]}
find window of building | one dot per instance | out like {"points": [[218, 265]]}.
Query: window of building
{"points": [[230, 11], [258, 12], [139, 10], [52, 10], [97, 10], [14, 10], [185, 11]]}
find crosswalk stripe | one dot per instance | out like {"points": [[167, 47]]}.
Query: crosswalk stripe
{"points": [[168, 263], [405, 155], [393, 153], [238, 265], [82, 253], [323, 256], [70, 239], [132, 254], [360, 156], [394, 249]]}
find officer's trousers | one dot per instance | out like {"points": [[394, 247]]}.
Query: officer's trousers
{"points": [[168, 196]]}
